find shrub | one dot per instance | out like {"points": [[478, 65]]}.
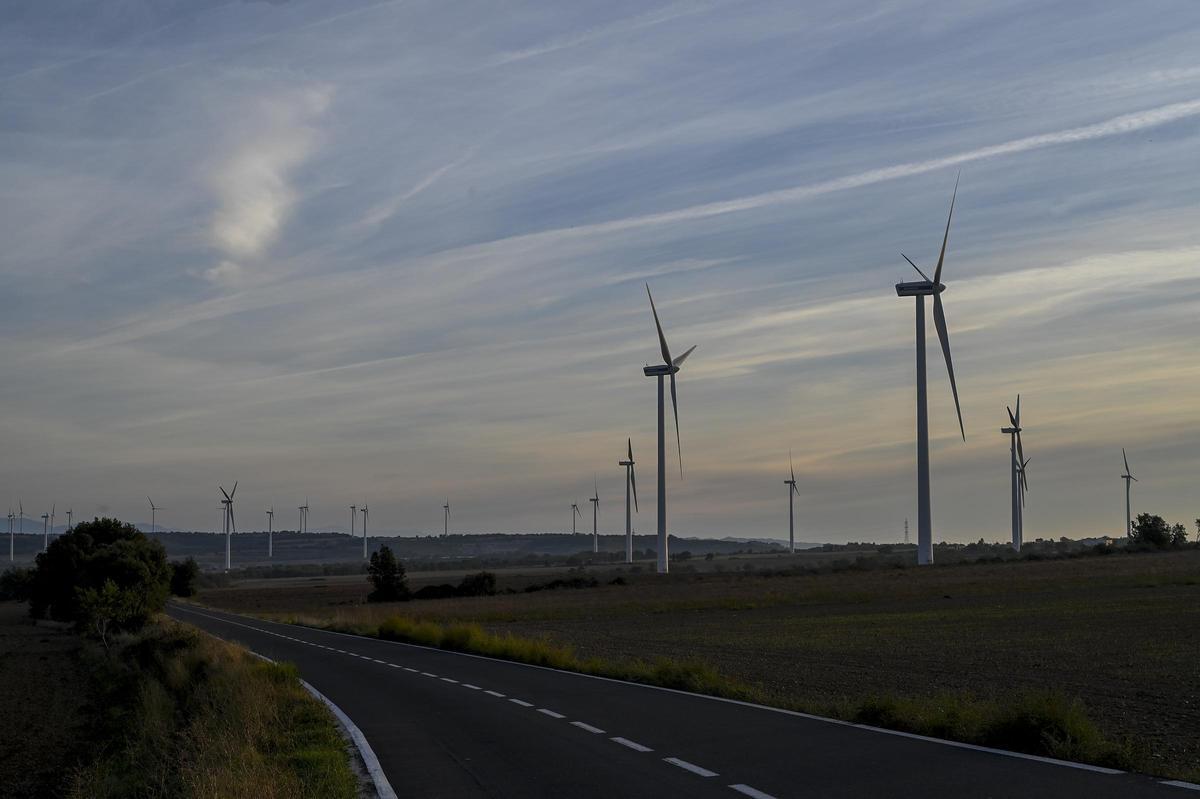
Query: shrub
{"points": [[86, 558], [106, 609], [184, 575], [387, 575], [481, 584], [16, 583], [1151, 530]]}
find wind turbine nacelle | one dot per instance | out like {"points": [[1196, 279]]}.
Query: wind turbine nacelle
{"points": [[660, 370], [918, 288]]}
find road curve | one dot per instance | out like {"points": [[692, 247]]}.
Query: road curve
{"points": [[445, 724]]}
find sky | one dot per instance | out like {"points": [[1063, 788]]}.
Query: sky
{"points": [[394, 253]]}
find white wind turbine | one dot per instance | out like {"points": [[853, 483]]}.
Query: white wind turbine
{"points": [[1017, 463], [793, 492], [920, 289], [230, 524], [153, 511], [11, 518], [574, 512], [1128, 478], [668, 368], [353, 515], [45, 531], [446, 519], [595, 500], [630, 483], [363, 510], [70, 525], [271, 532]]}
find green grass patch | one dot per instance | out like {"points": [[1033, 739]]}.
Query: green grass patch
{"points": [[180, 714]]}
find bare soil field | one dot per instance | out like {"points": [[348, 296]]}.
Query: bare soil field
{"points": [[1120, 632]]}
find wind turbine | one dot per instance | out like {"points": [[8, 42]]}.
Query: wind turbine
{"points": [[303, 515], [230, 524], [793, 492], [446, 519], [10, 534], [364, 513], [669, 367], [353, 516], [1017, 463], [595, 500], [1127, 477], [52, 508], [271, 532], [1023, 484], [630, 483], [153, 511], [574, 512], [920, 289], [45, 531], [70, 526]]}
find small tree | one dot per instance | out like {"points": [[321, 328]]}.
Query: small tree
{"points": [[386, 574], [1178, 535], [481, 584], [183, 577], [106, 610], [1150, 530]]}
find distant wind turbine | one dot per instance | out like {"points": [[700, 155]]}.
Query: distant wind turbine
{"points": [[1017, 472], [1127, 477], [793, 492], [669, 367], [11, 517], [153, 511], [630, 483], [446, 519], [271, 531], [574, 512], [303, 515], [353, 515], [920, 289], [364, 513], [230, 524], [45, 531], [52, 509], [595, 500], [70, 526]]}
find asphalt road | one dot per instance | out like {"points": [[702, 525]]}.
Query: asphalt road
{"points": [[445, 724]]}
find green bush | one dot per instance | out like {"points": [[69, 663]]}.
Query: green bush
{"points": [[184, 576], [89, 556], [481, 584], [16, 583]]}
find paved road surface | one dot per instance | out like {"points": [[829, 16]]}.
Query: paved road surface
{"points": [[450, 725]]}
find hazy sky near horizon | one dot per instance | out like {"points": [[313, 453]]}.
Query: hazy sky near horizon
{"points": [[394, 253]]}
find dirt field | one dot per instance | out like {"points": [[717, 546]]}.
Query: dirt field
{"points": [[43, 693], [1121, 632]]}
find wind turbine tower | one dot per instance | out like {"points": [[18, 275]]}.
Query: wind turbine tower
{"points": [[11, 517], [920, 289], [1017, 472], [1128, 478], [630, 483], [446, 519], [792, 493], [153, 511], [595, 500], [353, 515], [271, 532], [45, 531], [668, 368], [364, 513], [230, 524], [70, 526]]}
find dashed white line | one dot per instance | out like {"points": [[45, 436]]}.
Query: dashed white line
{"points": [[584, 726], [551, 713], [754, 793], [427, 674], [447, 679], [377, 660], [414, 671], [521, 702], [692, 767], [495, 693], [472, 687], [394, 665], [634, 745]]}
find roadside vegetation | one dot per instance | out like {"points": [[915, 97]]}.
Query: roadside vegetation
{"points": [[144, 706]]}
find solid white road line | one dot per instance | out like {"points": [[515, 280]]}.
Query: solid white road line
{"points": [[634, 745], [692, 767], [551, 713], [374, 770], [754, 793], [1191, 786], [584, 726], [495, 693], [521, 702]]}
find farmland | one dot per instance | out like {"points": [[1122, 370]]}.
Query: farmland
{"points": [[1119, 632]]}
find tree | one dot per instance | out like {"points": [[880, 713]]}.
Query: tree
{"points": [[106, 610], [1178, 535], [1150, 530], [15, 583], [184, 575], [481, 584], [91, 554], [386, 574]]}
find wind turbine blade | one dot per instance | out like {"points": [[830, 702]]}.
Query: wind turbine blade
{"points": [[633, 483], [791, 468], [232, 522], [630, 440], [1134, 479], [675, 413], [662, 340], [679, 361], [1012, 419], [223, 491], [1018, 410], [1126, 459], [234, 491], [939, 319], [937, 273], [1020, 452], [914, 266]]}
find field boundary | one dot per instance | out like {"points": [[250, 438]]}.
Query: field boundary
{"points": [[796, 713]]}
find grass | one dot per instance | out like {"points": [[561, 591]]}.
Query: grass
{"points": [[181, 714], [1116, 634]]}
